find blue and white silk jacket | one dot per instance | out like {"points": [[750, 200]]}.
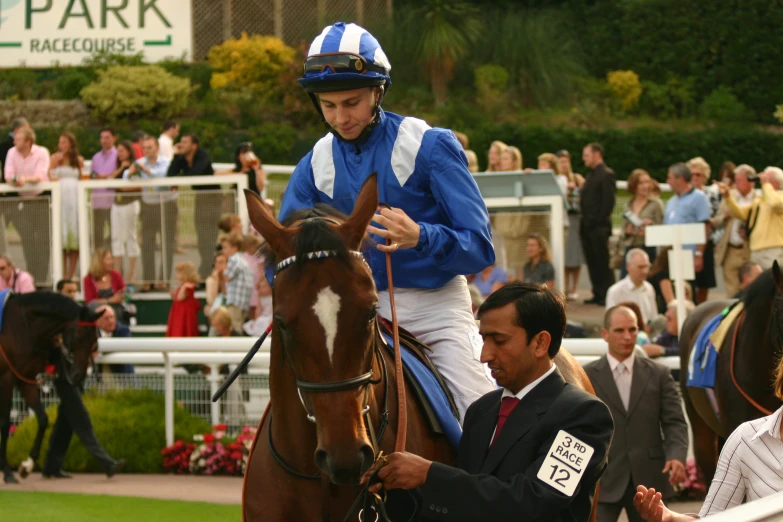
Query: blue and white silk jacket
{"points": [[422, 171]]}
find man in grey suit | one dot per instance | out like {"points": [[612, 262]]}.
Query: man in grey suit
{"points": [[650, 434]]}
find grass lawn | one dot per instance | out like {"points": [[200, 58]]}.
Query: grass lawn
{"points": [[64, 507]]}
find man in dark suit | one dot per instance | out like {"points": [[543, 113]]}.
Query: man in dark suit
{"points": [[109, 326], [651, 437], [72, 416], [597, 204], [533, 449]]}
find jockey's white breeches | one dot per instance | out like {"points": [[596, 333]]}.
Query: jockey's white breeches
{"points": [[442, 319]]}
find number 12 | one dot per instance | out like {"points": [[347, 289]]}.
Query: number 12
{"points": [[560, 481]]}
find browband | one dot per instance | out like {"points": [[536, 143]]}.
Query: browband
{"points": [[320, 254]]}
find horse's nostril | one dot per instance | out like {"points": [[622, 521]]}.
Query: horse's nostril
{"points": [[368, 456], [320, 459]]}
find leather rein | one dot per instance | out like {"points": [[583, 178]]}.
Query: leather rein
{"points": [[777, 339], [365, 380]]}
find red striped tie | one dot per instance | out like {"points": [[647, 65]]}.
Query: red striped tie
{"points": [[507, 405]]}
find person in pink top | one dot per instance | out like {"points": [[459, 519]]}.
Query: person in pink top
{"points": [[28, 164], [103, 166], [19, 281]]}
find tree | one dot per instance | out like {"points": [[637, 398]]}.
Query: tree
{"points": [[449, 28]]}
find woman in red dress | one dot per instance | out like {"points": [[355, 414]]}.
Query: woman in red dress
{"points": [[183, 316]]}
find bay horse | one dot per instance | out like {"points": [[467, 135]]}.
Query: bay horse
{"points": [[34, 324], [328, 380], [745, 367]]}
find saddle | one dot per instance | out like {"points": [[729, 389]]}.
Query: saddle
{"points": [[425, 383]]}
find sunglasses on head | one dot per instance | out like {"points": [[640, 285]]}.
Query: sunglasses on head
{"points": [[340, 62]]}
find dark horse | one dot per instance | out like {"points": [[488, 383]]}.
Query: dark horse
{"points": [[745, 369], [328, 376], [33, 325]]}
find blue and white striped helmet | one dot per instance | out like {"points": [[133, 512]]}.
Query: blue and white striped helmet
{"points": [[344, 57]]}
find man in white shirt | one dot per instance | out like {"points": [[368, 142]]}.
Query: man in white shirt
{"points": [[634, 287], [650, 435], [158, 213], [166, 140]]}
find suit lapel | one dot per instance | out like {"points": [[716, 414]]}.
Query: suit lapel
{"points": [[638, 384], [605, 381], [522, 420], [482, 431]]}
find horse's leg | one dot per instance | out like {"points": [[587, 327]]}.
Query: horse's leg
{"points": [[6, 395], [33, 400], [705, 442]]}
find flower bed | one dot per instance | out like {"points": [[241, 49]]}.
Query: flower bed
{"points": [[210, 454]]}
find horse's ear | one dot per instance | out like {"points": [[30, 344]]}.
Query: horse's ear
{"points": [[355, 227], [776, 275], [263, 221]]}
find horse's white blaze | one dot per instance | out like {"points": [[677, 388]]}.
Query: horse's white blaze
{"points": [[326, 308]]}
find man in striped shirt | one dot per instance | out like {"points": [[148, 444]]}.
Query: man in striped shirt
{"points": [[750, 467]]}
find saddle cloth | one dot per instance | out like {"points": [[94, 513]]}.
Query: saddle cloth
{"points": [[720, 333], [4, 295], [426, 386], [703, 361]]}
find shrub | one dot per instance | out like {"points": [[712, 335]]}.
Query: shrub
{"points": [[251, 63], [625, 88], [70, 83], [490, 80], [129, 424], [723, 105], [133, 92], [18, 84], [673, 99]]}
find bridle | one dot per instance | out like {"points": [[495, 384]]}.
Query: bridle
{"points": [[361, 381], [369, 501]]}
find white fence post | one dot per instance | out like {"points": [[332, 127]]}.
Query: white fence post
{"points": [[169, 398], [56, 234]]}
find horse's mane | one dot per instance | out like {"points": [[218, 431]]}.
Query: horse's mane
{"points": [[762, 288], [315, 235], [50, 303]]}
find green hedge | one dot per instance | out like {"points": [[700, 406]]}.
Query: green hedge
{"points": [[129, 424]]}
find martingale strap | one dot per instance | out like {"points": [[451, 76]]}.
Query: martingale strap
{"points": [[320, 254]]}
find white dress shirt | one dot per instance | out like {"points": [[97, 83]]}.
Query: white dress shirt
{"points": [[166, 146], [524, 391], [750, 466], [643, 295], [743, 201]]}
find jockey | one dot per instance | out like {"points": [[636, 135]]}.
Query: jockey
{"points": [[438, 224]]}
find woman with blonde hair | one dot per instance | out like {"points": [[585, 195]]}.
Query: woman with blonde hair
{"points": [[496, 148], [183, 315], [639, 212], [511, 160], [573, 246], [539, 269], [104, 284], [705, 278]]}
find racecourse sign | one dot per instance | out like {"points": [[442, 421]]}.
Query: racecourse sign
{"points": [[40, 33]]}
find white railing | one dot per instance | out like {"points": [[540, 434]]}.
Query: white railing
{"points": [[85, 250], [55, 221], [170, 352], [183, 350]]}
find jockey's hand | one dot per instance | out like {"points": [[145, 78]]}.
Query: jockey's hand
{"points": [[400, 229], [402, 471]]}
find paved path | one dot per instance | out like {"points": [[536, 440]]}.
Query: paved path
{"points": [[217, 490]]}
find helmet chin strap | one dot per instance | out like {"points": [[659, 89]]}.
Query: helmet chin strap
{"points": [[365, 132]]}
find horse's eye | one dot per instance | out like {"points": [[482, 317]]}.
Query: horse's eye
{"points": [[373, 313]]}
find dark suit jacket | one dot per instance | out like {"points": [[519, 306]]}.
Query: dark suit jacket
{"points": [[121, 331], [597, 200], [5, 145], [639, 451], [502, 483]]}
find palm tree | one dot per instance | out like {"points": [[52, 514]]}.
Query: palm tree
{"points": [[449, 28]]}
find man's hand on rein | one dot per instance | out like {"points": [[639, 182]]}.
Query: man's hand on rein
{"points": [[400, 229], [402, 471]]}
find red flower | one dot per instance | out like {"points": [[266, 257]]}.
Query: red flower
{"points": [[209, 438]]}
